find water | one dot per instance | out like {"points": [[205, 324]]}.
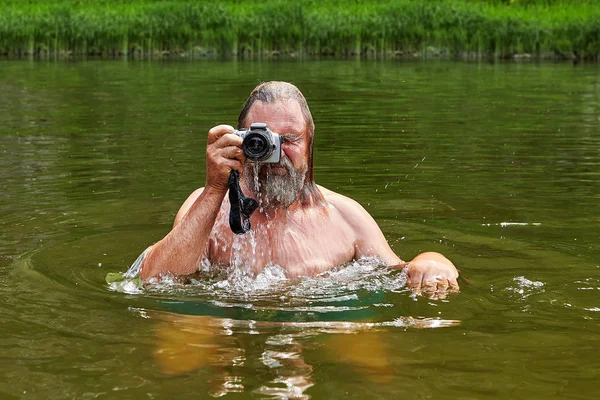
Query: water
{"points": [[494, 165]]}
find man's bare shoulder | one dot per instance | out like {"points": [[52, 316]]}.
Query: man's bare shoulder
{"points": [[187, 204], [346, 206], [369, 240]]}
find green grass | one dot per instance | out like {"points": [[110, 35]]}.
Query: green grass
{"points": [[466, 28]]}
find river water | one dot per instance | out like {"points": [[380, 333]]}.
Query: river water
{"points": [[494, 165]]}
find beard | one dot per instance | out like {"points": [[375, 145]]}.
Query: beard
{"points": [[273, 187]]}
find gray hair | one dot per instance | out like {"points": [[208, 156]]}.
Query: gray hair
{"points": [[273, 92]]}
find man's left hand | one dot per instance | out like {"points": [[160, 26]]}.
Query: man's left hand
{"points": [[433, 274]]}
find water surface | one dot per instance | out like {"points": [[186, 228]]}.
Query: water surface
{"points": [[494, 165]]}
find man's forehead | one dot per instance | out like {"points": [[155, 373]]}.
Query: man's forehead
{"points": [[284, 116]]}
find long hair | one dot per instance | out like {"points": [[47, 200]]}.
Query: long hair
{"points": [[272, 92]]}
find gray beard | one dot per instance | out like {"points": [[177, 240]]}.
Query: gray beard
{"points": [[274, 188]]}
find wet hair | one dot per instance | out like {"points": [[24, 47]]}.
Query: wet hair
{"points": [[273, 92]]}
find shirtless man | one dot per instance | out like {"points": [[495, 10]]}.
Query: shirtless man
{"points": [[300, 226]]}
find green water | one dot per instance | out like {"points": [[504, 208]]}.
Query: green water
{"points": [[494, 165]]}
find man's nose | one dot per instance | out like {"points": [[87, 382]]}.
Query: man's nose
{"points": [[284, 151]]}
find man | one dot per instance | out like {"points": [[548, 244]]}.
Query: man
{"points": [[300, 226]]}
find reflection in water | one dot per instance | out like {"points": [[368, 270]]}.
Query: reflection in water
{"points": [[186, 343], [292, 372], [257, 333]]}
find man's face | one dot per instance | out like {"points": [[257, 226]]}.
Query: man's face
{"points": [[279, 184]]}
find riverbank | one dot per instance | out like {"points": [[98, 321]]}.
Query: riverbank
{"points": [[305, 28]]}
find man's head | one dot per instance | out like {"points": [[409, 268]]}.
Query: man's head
{"points": [[284, 109]]}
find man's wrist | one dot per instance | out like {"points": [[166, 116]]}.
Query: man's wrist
{"points": [[214, 193]]}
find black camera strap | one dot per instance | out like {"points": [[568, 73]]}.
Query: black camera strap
{"points": [[242, 207]]}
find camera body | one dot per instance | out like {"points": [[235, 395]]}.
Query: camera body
{"points": [[260, 144]]}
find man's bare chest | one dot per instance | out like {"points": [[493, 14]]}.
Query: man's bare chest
{"points": [[302, 246]]}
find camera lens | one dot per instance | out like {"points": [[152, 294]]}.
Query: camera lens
{"points": [[257, 146]]}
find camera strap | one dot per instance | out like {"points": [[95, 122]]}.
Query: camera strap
{"points": [[242, 207]]}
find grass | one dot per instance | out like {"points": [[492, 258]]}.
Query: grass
{"points": [[245, 28]]}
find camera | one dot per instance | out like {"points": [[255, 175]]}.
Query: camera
{"points": [[260, 144]]}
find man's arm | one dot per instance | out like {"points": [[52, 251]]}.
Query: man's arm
{"points": [[181, 251], [428, 271]]}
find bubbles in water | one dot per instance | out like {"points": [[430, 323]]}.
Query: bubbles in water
{"points": [[128, 286], [341, 289], [525, 287]]}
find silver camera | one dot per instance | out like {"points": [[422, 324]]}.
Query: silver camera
{"points": [[260, 144]]}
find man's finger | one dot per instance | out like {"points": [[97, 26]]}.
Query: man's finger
{"points": [[442, 285], [232, 152], [216, 132], [414, 279], [429, 286], [228, 139], [453, 285], [234, 164]]}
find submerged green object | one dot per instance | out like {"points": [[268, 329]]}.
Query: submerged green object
{"points": [[121, 282], [118, 280], [112, 277]]}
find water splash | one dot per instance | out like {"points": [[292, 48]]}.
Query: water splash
{"points": [[241, 267], [525, 287], [353, 288]]}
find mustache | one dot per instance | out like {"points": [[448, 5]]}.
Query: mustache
{"points": [[284, 162]]}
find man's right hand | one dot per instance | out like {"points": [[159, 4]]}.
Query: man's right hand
{"points": [[223, 154]]}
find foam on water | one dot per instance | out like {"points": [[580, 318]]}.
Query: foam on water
{"points": [[357, 286], [238, 281]]}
